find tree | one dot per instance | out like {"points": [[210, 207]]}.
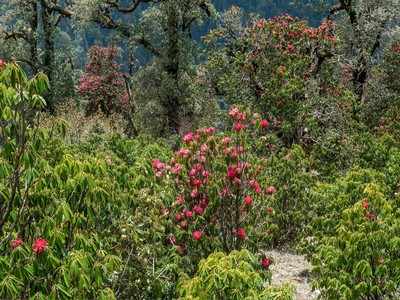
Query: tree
{"points": [[36, 32], [164, 31], [364, 24]]}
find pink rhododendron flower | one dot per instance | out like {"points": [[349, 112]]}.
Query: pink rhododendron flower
{"points": [[188, 137], [183, 152], [241, 233], [210, 130], [39, 246], [266, 262], [248, 200], [197, 235], [255, 186], [271, 190], [188, 214], [204, 203], [264, 123], [194, 193], [176, 169], [196, 183], [234, 111], [198, 210], [204, 148], [238, 126], [16, 243], [231, 172], [178, 217], [226, 140]]}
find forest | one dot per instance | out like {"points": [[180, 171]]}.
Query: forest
{"points": [[200, 149]]}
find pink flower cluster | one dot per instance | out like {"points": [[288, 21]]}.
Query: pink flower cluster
{"points": [[209, 170], [39, 245]]}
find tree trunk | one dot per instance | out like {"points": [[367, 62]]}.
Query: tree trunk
{"points": [[49, 51], [172, 103]]}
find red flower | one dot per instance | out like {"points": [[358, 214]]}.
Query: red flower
{"points": [[241, 233], [210, 130], [188, 137], [197, 235], [260, 24], [231, 172], [16, 243], [176, 169], [188, 214], [234, 111], [365, 204], [178, 217], [2, 64], [255, 186], [266, 262], [198, 210], [226, 140], [271, 190], [183, 152], [204, 203], [158, 167], [270, 210], [39, 246], [248, 200], [264, 123], [238, 127], [291, 48], [194, 193]]}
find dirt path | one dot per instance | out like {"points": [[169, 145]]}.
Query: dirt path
{"points": [[294, 269]]}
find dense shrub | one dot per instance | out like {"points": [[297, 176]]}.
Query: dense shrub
{"points": [[234, 276], [269, 65], [103, 84], [360, 260], [220, 203]]}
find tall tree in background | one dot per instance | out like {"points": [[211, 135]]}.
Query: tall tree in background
{"points": [[34, 31], [364, 26], [164, 31]]}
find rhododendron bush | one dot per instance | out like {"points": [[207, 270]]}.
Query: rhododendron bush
{"points": [[103, 84], [271, 64], [220, 201]]}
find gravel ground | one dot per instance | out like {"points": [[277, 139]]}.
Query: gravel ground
{"points": [[294, 269]]}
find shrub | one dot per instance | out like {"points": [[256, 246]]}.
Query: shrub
{"points": [[290, 209], [102, 84], [360, 260], [270, 64], [220, 202], [234, 276]]}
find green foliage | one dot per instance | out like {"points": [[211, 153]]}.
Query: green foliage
{"points": [[291, 172], [233, 276], [360, 259]]}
